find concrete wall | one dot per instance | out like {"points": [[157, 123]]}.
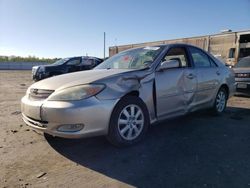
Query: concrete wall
{"points": [[19, 65]]}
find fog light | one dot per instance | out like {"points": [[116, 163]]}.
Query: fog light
{"points": [[70, 127]]}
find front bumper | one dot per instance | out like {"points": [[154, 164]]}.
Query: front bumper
{"points": [[39, 76], [242, 86], [48, 116]]}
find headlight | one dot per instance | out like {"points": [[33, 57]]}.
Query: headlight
{"points": [[41, 69], [76, 92]]}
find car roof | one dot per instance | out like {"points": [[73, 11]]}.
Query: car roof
{"points": [[167, 45], [179, 44], [83, 57]]}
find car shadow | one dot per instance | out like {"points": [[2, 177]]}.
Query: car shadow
{"points": [[243, 95], [190, 151]]}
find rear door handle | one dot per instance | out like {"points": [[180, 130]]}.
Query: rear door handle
{"points": [[190, 76], [218, 72]]}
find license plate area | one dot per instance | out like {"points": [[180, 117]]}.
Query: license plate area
{"points": [[242, 85]]}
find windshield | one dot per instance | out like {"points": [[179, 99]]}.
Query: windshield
{"points": [[245, 62], [132, 59], [61, 61]]}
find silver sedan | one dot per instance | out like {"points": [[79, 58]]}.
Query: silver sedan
{"points": [[121, 97]]}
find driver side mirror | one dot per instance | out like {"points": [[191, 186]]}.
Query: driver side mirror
{"points": [[169, 64]]}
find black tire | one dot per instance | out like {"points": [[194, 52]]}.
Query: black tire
{"points": [[115, 136], [217, 109]]}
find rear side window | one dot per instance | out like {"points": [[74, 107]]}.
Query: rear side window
{"points": [[74, 62], [97, 62], [90, 63], [201, 59]]}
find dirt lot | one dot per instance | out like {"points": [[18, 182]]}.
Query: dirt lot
{"points": [[198, 150]]}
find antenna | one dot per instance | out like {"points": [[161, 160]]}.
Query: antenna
{"points": [[104, 45]]}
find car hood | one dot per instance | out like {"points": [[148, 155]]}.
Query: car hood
{"points": [[242, 70], [77, 78]]}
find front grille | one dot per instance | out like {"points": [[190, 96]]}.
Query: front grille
{"points": [[39, 94], [242, 75]]}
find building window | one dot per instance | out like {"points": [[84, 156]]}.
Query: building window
{"points": [[231, 53]]}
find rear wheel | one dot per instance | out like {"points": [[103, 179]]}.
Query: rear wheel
{"points": [[220, 101], [129, 122]]}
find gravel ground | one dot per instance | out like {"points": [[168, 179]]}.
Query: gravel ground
{"points": [[197, 150]]}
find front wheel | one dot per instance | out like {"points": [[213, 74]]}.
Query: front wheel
{"points": [[220, 101], [129, 122]]}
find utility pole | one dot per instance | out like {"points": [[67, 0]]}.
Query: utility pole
{"points": [[104, 46]]}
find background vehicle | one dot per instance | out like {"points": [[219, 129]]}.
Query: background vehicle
{"points": [[63, 66], [122, 96], [242, 76]]}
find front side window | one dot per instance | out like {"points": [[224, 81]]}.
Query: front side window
{"points": [[178, 54], [132, 59], [200, 59], [88, 62], [60, 61]]}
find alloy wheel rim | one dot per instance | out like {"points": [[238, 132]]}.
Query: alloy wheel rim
{"points": [[220, 101], [130, 122]]}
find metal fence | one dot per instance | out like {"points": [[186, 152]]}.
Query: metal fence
{"points": [[19, 65]]}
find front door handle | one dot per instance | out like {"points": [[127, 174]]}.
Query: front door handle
{"points": [[190, 76]]}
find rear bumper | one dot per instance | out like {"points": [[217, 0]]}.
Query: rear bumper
{"points": [[50, 116]]}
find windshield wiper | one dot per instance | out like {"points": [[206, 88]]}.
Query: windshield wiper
{"points": [[145, 68]]}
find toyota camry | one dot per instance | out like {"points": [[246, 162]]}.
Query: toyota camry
{"points": [[128, 92]]}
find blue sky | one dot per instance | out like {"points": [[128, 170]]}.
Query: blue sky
{"points": [[62, 28]]}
